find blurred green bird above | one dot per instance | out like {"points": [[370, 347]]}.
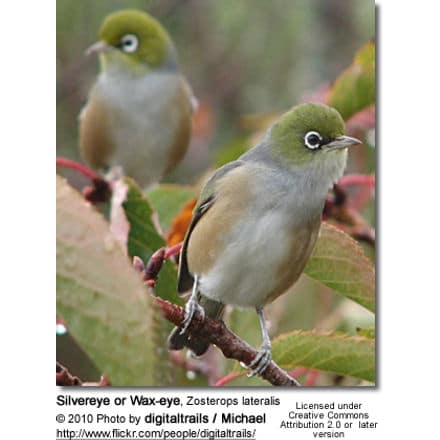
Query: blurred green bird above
{"points": [[257, 221], [138, 114]]}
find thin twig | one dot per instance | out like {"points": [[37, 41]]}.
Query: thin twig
{"points": [[99, 191], [63, 162], [173, 250]]}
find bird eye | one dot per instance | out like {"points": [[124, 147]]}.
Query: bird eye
{"points": [[312, 140], [129, 43]]}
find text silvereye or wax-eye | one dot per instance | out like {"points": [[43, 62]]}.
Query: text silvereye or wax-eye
{"points": [[138, 114], [258, 218]]}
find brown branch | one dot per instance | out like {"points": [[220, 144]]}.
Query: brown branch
{"points": [[206, 328], [230, 344], [150, 272]]}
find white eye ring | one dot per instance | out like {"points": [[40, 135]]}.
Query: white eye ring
{"points": [[312, 140], [129, 43]]}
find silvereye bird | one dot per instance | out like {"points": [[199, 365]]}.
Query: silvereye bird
{"points": [[138, 114], [257, 221]]}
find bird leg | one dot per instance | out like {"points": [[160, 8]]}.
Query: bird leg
{"points": [[191, 306], [264, 355]]}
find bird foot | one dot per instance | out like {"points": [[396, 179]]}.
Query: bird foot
{"points": [[261, 361], [190, 310]]}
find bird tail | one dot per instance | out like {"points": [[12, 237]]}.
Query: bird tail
{"points": [[178, 341]]}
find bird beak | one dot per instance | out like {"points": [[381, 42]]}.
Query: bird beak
{"points": [[98, 47], [342, 142]]}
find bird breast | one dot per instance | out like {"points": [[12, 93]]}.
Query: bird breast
{"points": [[147, 118], [261, 252]]}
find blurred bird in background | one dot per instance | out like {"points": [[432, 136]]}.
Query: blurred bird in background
{"points": [[138, 116]]}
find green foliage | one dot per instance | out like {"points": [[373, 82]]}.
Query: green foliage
{"points": [[225, 54], [339, 262], [143, 239], [97, 318], [168, 200], [354, 90], [337, 353], [99, 294], [232, 151]]}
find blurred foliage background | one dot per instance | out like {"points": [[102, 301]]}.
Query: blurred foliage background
{"points": [[241, 57]]}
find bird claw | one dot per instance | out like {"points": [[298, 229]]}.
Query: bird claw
{"points": [[190, 310], [261, 361]]}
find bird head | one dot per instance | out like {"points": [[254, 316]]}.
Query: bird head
{"points": [[133, 39], [311, 134]]}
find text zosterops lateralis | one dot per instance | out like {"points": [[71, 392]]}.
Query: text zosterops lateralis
{"points": [[139, 111], [257, 220]]}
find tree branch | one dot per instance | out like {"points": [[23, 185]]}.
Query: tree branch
{"points": [[230, 344], [206, 328]]}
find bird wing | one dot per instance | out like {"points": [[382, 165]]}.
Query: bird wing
{"points": [[206, 201], [194, 103], [95, 140]]}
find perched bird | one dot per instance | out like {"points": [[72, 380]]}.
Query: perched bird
{"points": [[257, 221], [139, 112]]}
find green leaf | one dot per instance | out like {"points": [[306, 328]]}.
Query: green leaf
{"points": [[354, 90], [338, 353], [99, 294], [168, 200], [144, 240], [339, 262]]}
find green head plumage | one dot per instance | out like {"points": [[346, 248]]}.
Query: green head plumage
{"points": [[136, 38], [308, 133]]}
